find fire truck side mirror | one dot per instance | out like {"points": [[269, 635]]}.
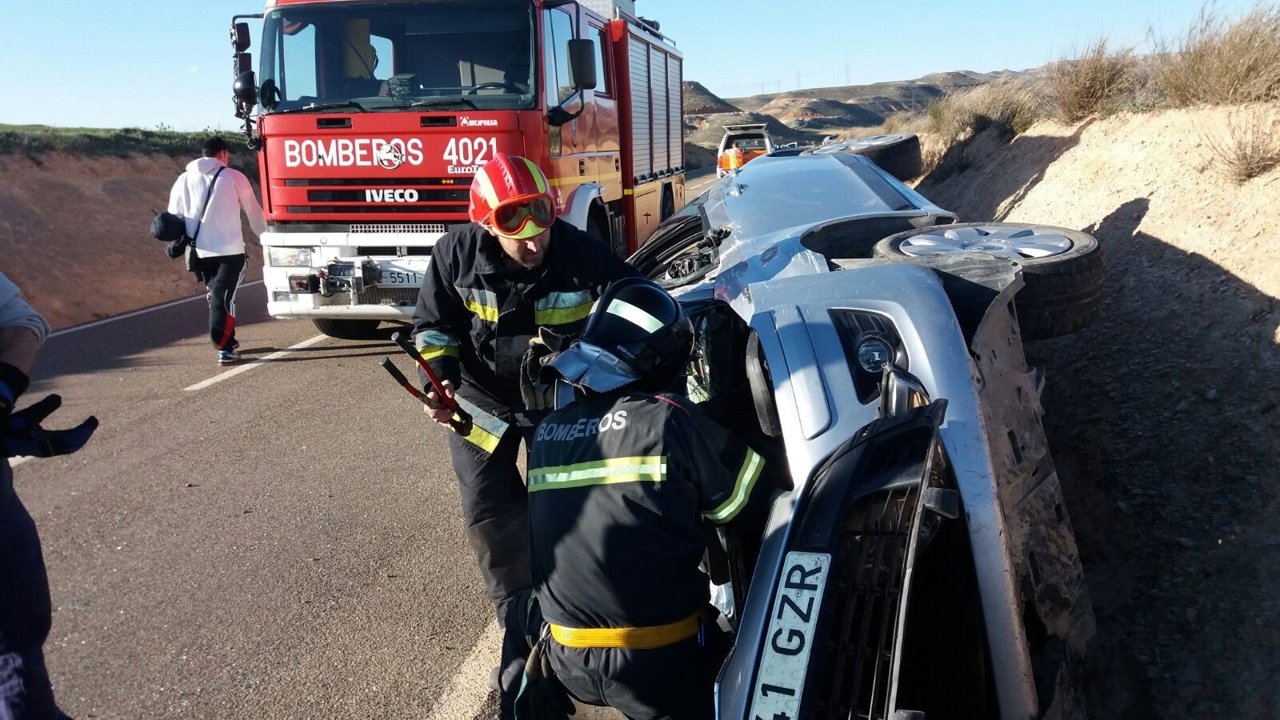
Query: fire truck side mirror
{"points": [[582, 63], [246, 89], [240, 37], [244, 63]]}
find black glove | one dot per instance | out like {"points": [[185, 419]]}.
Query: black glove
{"points": [[21, 433], [536, 391], [542, 696], [13, 382]]}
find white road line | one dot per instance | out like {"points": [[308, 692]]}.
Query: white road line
{"points": [[169, 304], [252, 364], [470, 687]]}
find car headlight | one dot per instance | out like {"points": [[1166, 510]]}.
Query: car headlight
{"points": [[289, 257]]}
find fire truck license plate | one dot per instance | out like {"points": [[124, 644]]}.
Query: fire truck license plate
{"points": [[401, 278], [789, 641]]}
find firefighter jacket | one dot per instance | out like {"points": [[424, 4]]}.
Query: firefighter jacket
{"points": [[475, 313], [620, 488]]}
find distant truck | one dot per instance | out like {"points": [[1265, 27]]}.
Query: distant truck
{"points": [[741, 144], [370, 119]]}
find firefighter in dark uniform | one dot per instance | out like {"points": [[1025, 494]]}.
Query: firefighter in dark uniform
{"points": [[623, 483], [491, 287]]}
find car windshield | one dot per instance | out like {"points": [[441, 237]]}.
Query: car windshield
{"points": [[439, 55]]}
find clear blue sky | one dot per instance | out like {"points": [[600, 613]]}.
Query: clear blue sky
{"points": [[146, 63]]}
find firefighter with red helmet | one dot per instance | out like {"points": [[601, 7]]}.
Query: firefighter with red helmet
{"points": [[516, 271], [624, 483]]}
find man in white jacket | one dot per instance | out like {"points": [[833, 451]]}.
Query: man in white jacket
{"points": [[220, 242]]}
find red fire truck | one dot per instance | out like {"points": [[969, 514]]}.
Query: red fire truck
{"points": [[371, 117]]}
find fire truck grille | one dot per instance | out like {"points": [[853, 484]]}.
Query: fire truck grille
{"points": [[388, 296], [377, 182], [369, 209], [398, 228], [865, 604], [323, 196]]}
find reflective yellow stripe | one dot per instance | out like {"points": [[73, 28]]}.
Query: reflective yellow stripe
{"points": [[561, 316], [486, 430], [537, 174], [634, 638], [434, 343], [747, 476], [488, 313], [486, 189], [430, 352], [650, 468]]}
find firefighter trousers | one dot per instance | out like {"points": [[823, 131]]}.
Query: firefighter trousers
{"points": [[675, 682], [495, 513]]}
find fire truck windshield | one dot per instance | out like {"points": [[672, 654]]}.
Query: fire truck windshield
{"points": [[390, 56]]}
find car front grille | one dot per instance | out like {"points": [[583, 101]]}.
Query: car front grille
{"points": [[865, 605]]}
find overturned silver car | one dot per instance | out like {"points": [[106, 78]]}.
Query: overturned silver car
{"points": [[923, 565]]}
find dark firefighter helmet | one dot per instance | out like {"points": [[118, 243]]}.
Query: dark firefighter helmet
{"points": [[636, 334]]}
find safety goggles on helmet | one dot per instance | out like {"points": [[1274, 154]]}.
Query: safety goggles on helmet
{"points": [[523, 218], [511, 196]]}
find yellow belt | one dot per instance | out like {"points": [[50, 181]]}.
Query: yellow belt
{"points": [[635, 638]]}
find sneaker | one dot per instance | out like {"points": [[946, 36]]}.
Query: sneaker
{"points": [[228, 357]]}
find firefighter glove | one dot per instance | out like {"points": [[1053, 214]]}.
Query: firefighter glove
{"points": [[13, 382], [542, 697], [21, 433], [536, 392]]}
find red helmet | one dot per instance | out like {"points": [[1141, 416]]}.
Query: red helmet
{"points": [[511, 197]]}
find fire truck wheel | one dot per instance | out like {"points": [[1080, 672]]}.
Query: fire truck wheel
{"points": [[668, 204], [596, 229], [347, 329]]}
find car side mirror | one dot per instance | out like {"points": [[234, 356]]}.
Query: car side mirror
{"points": [[582, 64]]}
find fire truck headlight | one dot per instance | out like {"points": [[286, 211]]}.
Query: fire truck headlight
{"points": [[289, 257]]}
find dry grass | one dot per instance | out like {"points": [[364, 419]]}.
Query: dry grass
{"points": [[1098, 82], [1220, 62], [1248, 145], [1010, 106]]}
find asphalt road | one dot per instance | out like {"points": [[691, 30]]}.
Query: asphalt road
{"points": [[284, 542]]}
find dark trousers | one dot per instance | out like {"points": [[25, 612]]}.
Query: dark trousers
{"points": [[222, 275], [495, 512], [25, 615], [676, 682]]}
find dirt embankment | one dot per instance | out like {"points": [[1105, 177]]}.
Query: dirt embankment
{"points": [[1163, 415], [73, 234]]}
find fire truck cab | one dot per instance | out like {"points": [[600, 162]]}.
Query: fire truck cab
{"points": [[371, 118]]}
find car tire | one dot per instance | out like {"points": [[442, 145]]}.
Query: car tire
{"points": [[1062, 292], [347, 329], [898, 155]]}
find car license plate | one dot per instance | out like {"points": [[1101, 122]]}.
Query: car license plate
{"points": [[779, 683], [401, 278]]}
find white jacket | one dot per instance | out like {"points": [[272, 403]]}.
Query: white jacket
{"points": [[220, 232]]}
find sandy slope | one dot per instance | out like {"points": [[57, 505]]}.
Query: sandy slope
{"points": [[1163, 414], [73, 234]]}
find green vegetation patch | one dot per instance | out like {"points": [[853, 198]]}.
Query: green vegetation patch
{"points": [[118, 142]]}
